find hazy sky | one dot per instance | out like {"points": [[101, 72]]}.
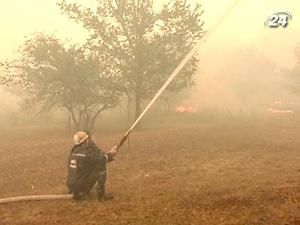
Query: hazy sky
{"points": [[243, 28], [19, 18]]}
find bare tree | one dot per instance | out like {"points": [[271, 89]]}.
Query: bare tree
{"points": [[74, 78], [147, 45]]}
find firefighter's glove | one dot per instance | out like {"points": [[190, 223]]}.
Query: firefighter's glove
{"points": [[113, 151]]}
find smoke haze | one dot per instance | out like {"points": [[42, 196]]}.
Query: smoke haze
{"points": [[243, 64]]}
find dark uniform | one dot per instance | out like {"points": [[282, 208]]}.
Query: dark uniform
{"points": [[86, 167]]}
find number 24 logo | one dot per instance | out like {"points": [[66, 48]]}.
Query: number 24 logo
{"points": [[278, 19]]}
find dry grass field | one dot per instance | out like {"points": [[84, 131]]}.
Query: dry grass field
{"points": [[230, 173]]}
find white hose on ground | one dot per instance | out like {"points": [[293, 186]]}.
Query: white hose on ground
{"points": [[35, 198]]}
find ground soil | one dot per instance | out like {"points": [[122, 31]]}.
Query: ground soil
{"points": [[229, 173]]}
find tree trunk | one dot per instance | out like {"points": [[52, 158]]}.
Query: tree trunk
{"points": [[73, 117], [137, 110], [137, 96], [129, 112], [137, 106], [69, 125], [92, 123], [93, 119]]}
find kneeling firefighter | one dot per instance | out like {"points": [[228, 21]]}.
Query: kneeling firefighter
{"points": [[87, 166]]}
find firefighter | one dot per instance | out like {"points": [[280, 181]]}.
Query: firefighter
{"points": [[87, 167]]}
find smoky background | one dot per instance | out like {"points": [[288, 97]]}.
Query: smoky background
{"points": [[246, 71]]}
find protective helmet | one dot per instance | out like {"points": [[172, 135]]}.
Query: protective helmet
{"points": [[80, 137]]}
